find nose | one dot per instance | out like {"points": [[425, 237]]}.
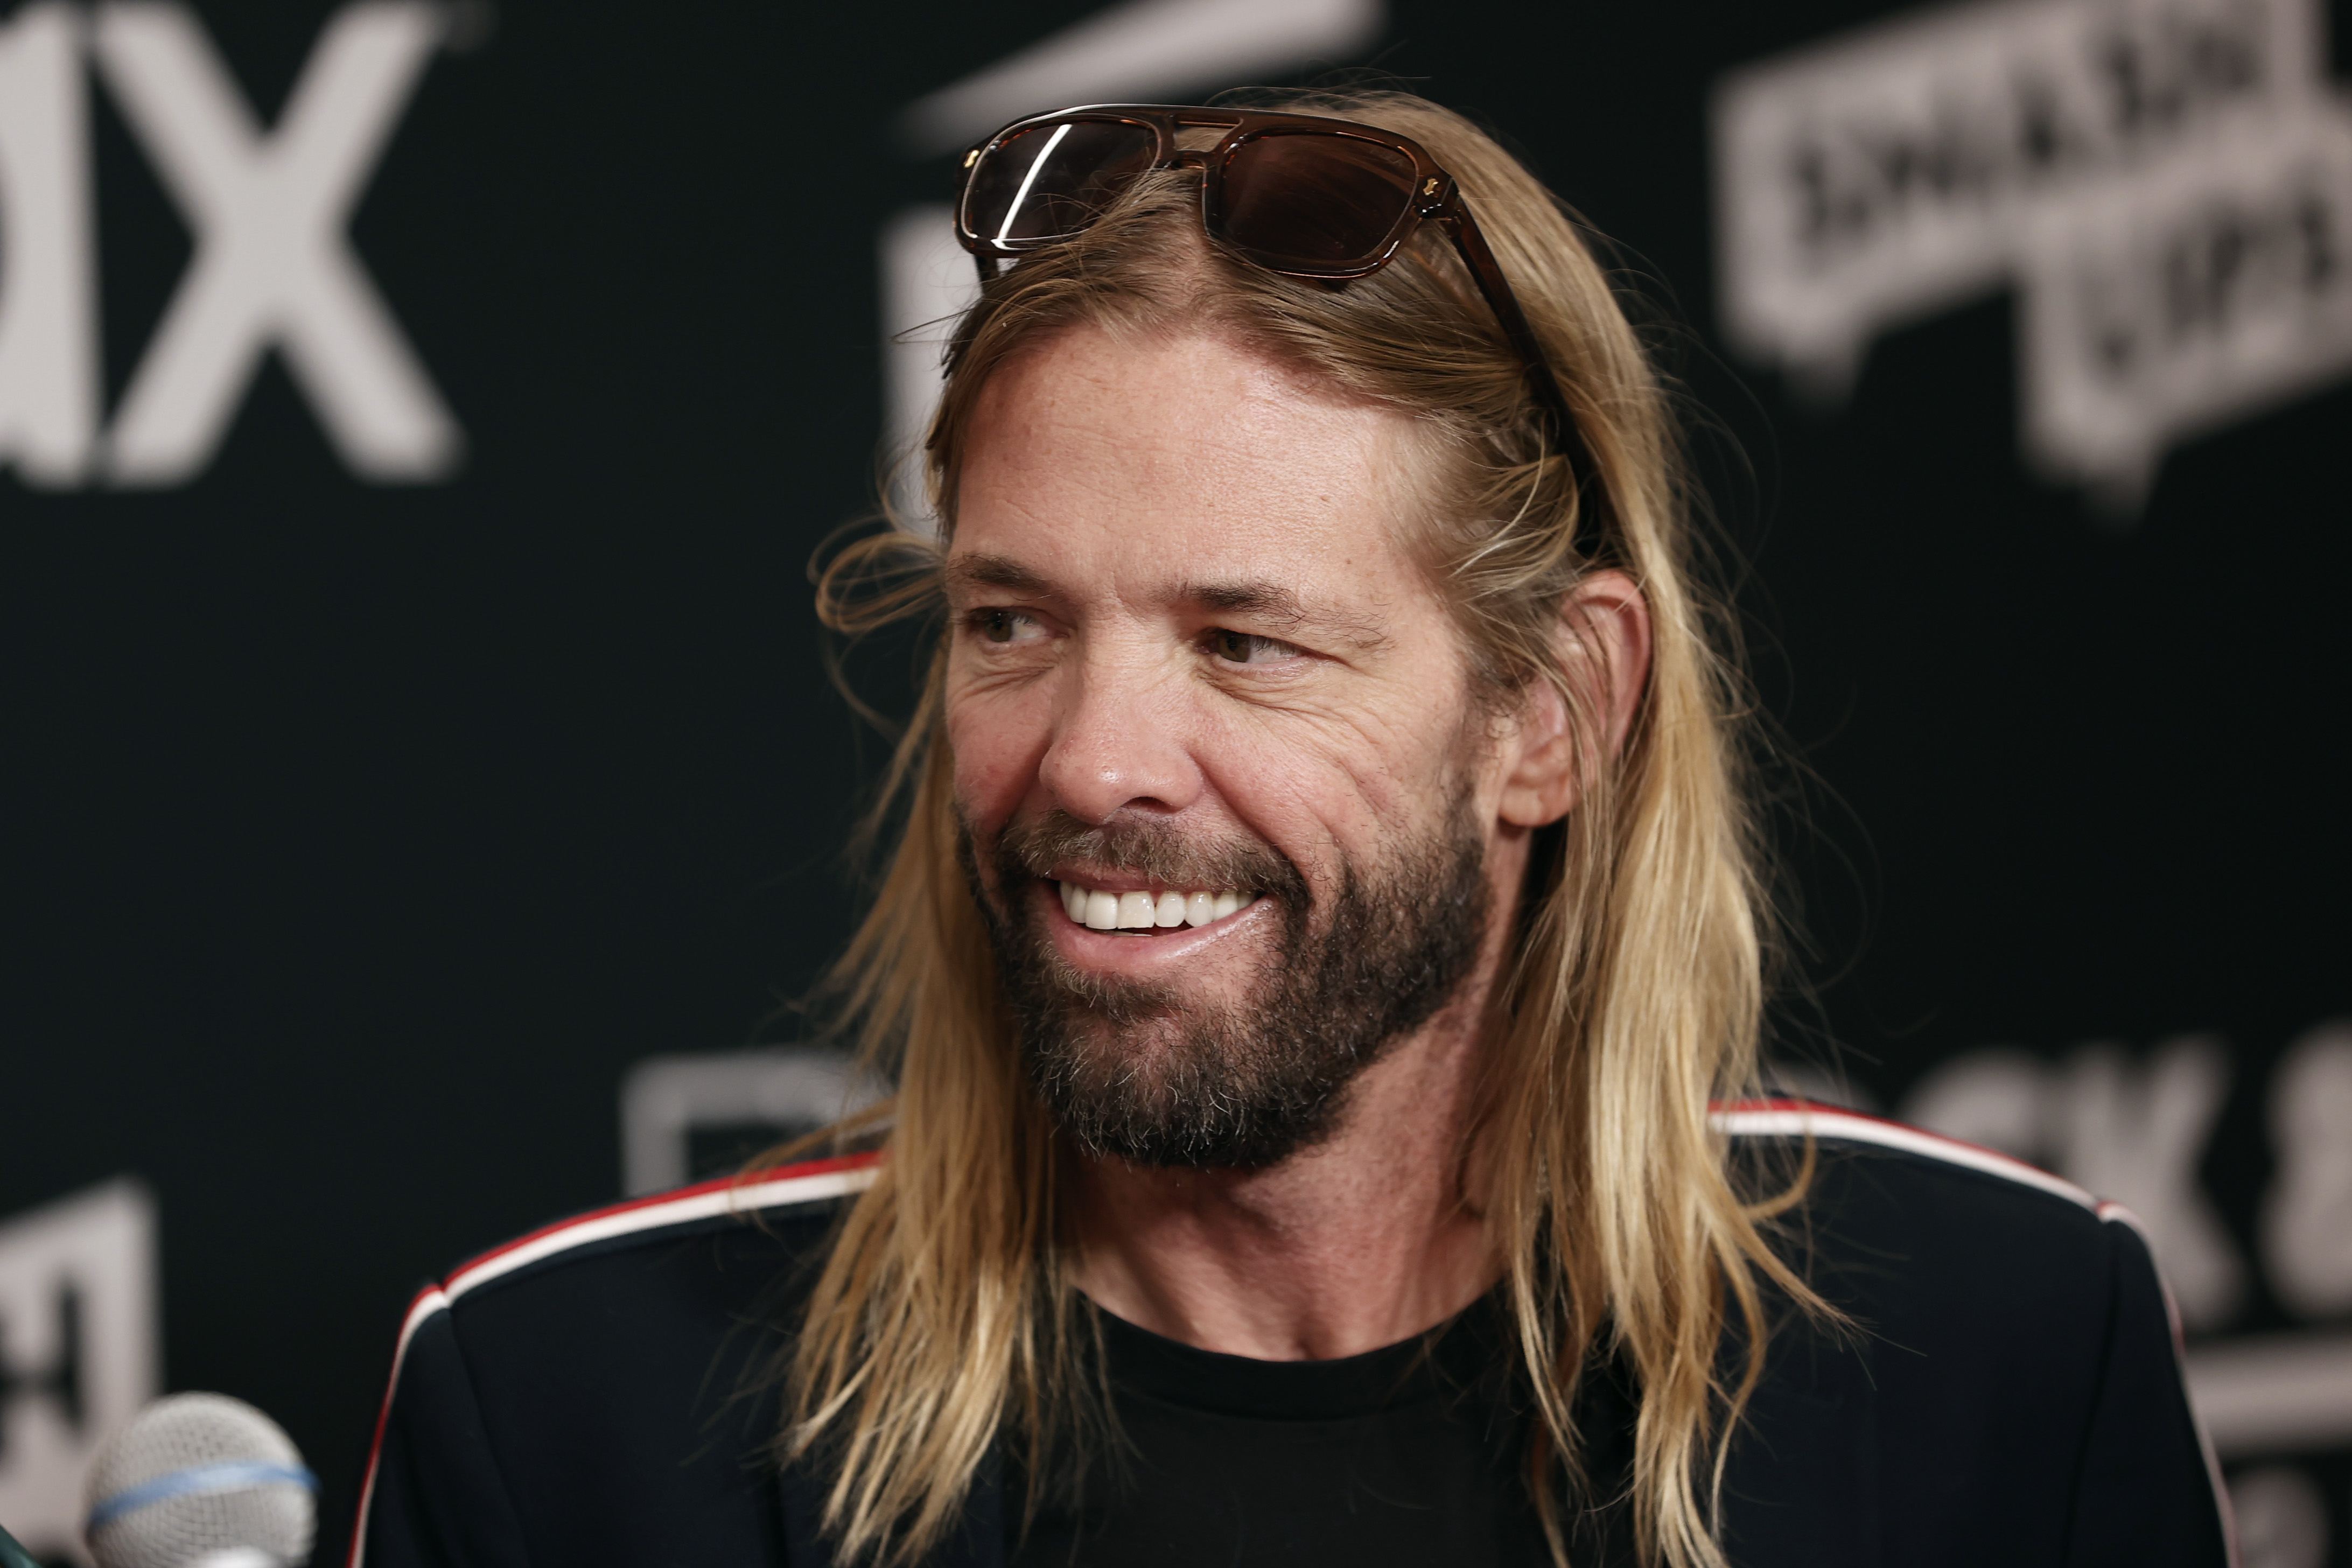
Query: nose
{"points": [[1118, 741]]}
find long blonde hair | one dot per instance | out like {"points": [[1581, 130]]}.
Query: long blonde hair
{"points": [[944, 1314]]}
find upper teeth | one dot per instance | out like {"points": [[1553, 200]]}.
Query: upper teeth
{"points": [[1140, 911]]}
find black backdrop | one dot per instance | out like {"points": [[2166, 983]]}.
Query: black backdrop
{"points": [[358, 837]]}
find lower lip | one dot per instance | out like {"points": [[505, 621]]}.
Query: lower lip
{"points": [[1133, 950]]}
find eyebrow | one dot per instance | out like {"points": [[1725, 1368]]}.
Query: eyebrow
{"points": [[996, 572], [1270, 600]]}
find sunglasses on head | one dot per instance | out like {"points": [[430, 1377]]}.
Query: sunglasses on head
{"points": [[1300, 194]]}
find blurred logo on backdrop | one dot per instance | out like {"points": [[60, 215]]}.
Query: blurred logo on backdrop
{"points": [[80, 1352], [2168, 184], [273, 270], [691, 1117]]}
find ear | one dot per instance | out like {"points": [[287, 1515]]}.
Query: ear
{"points": [[1602, 639]]}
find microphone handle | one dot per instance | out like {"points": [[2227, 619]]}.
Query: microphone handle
{"points": [[13, 1555]]}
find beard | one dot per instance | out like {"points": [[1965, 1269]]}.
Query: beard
{"points": [[1131, 1070]]}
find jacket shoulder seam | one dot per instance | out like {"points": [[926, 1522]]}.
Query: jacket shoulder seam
{"points": [[1800, 1119], [815, 1181]]}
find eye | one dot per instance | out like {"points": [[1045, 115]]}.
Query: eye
{"points": [[1002, 626], [1244, 647]]}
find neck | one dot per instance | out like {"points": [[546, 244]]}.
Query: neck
{"points": [[1359, 1242]]}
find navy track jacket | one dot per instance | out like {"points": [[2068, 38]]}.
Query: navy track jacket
{"points": [[598, 1393]]}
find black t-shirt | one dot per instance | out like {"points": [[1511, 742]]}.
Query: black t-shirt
{"points": [[1409, 1455]]}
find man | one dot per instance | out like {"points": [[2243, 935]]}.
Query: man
{"points": [[1323, 942]]}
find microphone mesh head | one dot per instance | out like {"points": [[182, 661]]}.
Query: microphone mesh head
{"points": [[189, 1432]]}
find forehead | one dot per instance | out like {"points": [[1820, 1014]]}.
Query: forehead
{"points": [[1128, 468]]}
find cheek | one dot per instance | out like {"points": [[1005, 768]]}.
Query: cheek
{"points": [[1319, 792], [996, 737], [1401, 779]]}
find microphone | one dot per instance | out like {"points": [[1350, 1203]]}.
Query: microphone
{"points": [[200, 1480]]}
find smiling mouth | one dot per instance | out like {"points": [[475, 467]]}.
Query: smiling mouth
{"points": [[1146, 912]]}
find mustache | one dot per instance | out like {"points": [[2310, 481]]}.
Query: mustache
{"points": [[1148, 847]]}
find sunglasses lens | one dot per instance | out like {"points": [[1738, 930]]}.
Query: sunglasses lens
{"points": [[1311, 201], [1048, 182]]}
